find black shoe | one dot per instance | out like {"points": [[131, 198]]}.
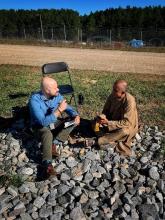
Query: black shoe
{"points": [[45, 171]]}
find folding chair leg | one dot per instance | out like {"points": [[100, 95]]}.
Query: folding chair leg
{"points": [[73, 97]]}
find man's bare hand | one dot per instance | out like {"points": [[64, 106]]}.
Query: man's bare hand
{"points": [[63, 105], [77, 120], [101, 119], [104, 121]]}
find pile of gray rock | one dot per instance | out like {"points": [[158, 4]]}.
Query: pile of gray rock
{"points": [[91, 183]]}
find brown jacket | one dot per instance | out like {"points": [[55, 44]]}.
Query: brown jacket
{"points": [[122, 114]]}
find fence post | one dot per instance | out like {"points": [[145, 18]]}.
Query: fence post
{"points": [[78, 35], [81, 35], [141, 35], [64, 32], [42, 31], [24, 31], [52, 34], [110, 37]]}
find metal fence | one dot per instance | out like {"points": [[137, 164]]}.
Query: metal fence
{"points": [[114, 37]]}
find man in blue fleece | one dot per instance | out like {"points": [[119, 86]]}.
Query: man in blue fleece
{"points": [[46, 108]]}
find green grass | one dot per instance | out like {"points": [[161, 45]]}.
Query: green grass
{"points": [[11, 179], [149, 90]]}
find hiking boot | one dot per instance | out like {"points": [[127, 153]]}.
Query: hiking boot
{"points": [[44, 171], [55, 150], [50, 170]]}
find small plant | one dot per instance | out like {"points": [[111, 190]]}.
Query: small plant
{"points": [[16, 180], [10, 179], [3, 179]]}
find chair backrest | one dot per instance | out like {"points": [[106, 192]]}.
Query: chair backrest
{"points": [[54, 68], [58, 67]]}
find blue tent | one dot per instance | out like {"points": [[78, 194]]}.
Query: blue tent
{"points": [[136, 43]]}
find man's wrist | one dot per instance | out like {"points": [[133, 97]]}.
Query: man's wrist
{"points": [[59, 110], [58, 113]]}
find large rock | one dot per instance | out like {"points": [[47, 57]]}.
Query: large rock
{"points": [[76, 191], [71, 162], [77, 214], [148, 211], [88, 178], [119, 187], [92, 155], [65, 177], [45, 211], [25, 216], [56, 216], [12, 191], [62, 189], [83, 198], [35, 215], [52, 197], [24, 189], [38, 202], [65, 200], [153, 173], [19, 208], [27, 171]]}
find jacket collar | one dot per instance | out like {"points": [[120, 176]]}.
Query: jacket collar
{"points": [[43, 97]]}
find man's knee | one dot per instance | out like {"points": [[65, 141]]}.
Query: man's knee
{"points": [[125, 132]]}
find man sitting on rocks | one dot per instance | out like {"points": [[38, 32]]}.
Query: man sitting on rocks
{"points": [[120, 119], [46, 108]]}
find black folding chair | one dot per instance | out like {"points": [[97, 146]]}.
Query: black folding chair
{"points": [[51, 68]]}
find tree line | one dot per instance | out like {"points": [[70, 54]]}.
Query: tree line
{"points": [[15, 21]]}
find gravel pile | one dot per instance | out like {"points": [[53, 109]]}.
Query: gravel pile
{"points": [[91, 184]]}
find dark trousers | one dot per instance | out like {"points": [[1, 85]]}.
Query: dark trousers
{"points": [[46, 136]]}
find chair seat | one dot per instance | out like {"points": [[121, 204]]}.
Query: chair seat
{"points": [[65, 89]]}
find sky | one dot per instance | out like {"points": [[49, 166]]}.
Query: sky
{"points": [[82, 6]]}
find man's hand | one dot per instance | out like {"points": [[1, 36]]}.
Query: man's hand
{"points": [[63, 105], [77, 120], [101, 119]]}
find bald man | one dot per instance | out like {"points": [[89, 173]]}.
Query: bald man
{"points": [[46, 108], [121, 121]]}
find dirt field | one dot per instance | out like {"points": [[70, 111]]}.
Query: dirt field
{"points": [[116, 61]]}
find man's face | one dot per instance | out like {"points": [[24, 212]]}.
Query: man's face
{"points": [[53, 89], [118, 93]]}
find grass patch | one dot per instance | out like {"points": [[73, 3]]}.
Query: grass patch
{"points": [[149, 90], [11, 179], [8, 178]]}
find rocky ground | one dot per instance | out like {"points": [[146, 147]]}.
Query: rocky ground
{"points": [[91, 183]]}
